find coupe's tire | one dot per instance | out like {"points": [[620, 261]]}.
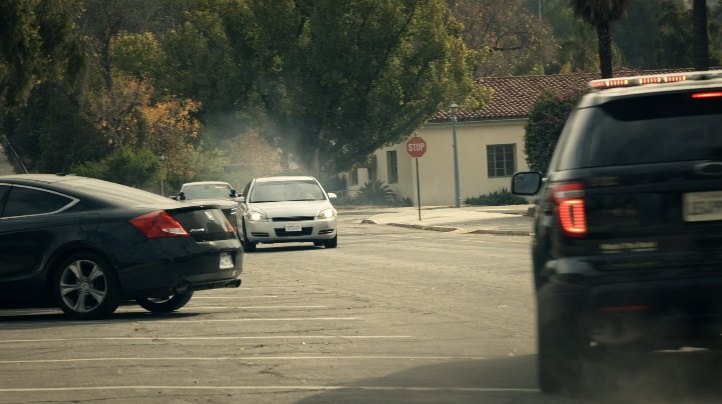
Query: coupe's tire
{"points": [[165, 304], [332, 243], [85, 286]]}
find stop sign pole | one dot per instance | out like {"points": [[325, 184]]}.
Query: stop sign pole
{"points": [[416, 147]]}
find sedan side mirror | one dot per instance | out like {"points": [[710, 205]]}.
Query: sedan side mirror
{"points": [[181, 196], [331, 195]]}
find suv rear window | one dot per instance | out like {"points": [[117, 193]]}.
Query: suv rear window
{"points": [[640, 130]]}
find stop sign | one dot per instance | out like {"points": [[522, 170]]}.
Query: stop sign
{"points": [[416, 146]]}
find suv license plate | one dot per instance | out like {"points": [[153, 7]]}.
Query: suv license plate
{"points": [[226, 261], [293, 227], [702, 206]]}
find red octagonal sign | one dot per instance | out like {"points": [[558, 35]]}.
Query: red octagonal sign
{"points": [[416, 146]]}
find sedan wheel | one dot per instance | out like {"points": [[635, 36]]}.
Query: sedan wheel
{"points": [[85, 287], [332, 243], [165, 304]]}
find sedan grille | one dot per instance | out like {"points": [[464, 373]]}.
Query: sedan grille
{"points": [[292, 218]]}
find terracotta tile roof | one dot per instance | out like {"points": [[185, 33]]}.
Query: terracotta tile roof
{"points": [[514, 96]]}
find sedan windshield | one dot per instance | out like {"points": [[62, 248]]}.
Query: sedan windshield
{"points": [[207, 191], [278, 191]]}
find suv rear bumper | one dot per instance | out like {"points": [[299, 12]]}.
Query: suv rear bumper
{"points": [[645, 307]]}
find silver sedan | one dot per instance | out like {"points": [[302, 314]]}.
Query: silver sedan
{"points": [[288, 209]]}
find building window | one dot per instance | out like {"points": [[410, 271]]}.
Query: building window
{"points": [[392, 167], [500, 160], [354, 176], [372, 169]]}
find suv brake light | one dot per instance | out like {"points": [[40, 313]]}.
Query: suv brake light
{"points": [[708, 94], [158, 224], [569, 198]]}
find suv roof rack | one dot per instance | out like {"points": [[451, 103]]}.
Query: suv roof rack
{"points": [[634, 81]]}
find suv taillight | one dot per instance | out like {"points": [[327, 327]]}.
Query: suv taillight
{"points": [[158, 224], [569, 198]]}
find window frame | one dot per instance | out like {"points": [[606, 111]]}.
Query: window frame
{"points": [[72, 201], [492, 158], [392, 169]]}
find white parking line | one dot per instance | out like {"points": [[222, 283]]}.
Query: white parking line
{"points": [[247, 358], [277, 337], [232, 307], [279, 387], [202, 320], [235, 297]]}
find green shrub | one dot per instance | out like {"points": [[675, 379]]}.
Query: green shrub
{"points": [[546, 120], [500, 197], [375, 193]]}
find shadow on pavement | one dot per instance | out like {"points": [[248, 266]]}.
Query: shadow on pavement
{"points": [[660, 377], [49, 317]]}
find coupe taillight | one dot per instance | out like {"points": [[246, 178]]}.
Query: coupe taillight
{"points": [[569, 198], [158, 224]]}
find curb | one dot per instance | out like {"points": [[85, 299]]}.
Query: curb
{"points": [[449, 229]]}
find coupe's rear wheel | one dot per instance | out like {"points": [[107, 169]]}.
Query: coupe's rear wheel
{"points": [[165, 304], [85, 287]]}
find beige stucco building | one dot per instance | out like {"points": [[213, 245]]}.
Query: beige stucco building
{"points": [[490, 144]]}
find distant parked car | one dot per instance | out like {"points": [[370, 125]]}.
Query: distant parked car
{"points": [[217, 193], [86, 245], [288, 209]]}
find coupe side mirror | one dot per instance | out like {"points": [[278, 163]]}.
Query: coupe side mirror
{"points": [[331, 195]]}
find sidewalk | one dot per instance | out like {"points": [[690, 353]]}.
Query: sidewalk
{"points": [[503, 220]]}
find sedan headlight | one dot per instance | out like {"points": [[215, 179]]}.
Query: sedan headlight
{"points": [[329, 213], [256, 216]]}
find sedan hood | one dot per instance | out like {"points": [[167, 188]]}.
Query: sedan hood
{"points": [[221, 203], [292, 208]]}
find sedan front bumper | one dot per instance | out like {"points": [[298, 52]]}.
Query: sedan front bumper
{"points": [[290, 231]]}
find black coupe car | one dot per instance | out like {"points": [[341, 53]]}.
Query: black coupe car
{"points": [[87, 245]]}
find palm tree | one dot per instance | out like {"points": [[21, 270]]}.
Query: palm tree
{"points": [[601, 14], [700, 38]]}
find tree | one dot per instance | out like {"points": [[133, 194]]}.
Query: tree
{"points": [[546, 121], [675, 35], [601, 14], [38, 42], [103, 20], [511, 37], [701, 39], [636, 36], [345, 78]]}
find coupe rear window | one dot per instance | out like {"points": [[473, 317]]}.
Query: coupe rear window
{"points": [[640, 130], [24, 201]]}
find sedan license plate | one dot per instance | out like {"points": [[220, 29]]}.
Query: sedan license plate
{"points": [[293, 227], [226, 261], [702, 206]]}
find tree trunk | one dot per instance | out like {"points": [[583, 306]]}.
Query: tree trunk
{"points": [[604, 38], [701, 40]]}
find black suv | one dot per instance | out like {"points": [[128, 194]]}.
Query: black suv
{"points": [[627, 247]]}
